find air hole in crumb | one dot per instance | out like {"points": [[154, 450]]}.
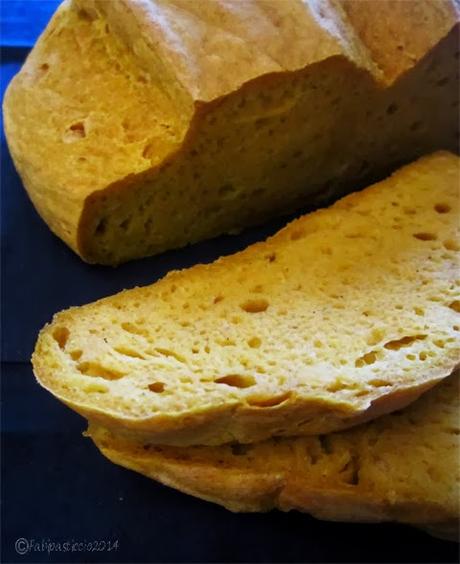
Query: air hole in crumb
{"points": [[76, 131], [368, 358], [255, 306], [403, 342], [157, 387], [134, 329], [325, 444], [270, 257], [61, 335], [339, 385], [269, 402], [351, 470], [254, 342], [442, 208], [125, 351], [97, 370], [455, 305], [100, 227], [218, 299], [148, 151], [423, 355], [170, 353], [76, 355], [236, 380], [425, 236], [379, 383], [419, 311]]}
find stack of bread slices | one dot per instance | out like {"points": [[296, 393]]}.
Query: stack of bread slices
{"points": [[313, 371]]}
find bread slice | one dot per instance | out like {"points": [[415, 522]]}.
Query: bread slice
{"points": [[142, 126], [401, 467], [345, 314]]}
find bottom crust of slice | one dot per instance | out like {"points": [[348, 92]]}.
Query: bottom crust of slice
{"points": [[402, 467]]}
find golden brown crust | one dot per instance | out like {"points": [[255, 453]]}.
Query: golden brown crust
{"points": [[397, 34], [213, 48]]}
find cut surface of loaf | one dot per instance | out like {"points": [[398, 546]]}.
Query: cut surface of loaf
{"points": [[192, 119], [401, 467], [345, 314]]}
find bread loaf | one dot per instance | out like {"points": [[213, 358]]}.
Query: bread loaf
{"points": [[345, 314], [141, 126], [402, 467]]}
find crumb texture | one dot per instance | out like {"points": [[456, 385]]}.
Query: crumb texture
{"points": [[344, 314]]}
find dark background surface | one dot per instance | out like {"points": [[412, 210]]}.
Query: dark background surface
{"points": [[56, 487]]}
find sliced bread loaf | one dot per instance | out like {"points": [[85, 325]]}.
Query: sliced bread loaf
{"points": [[141, 126], [347, 313], [402, 467]]}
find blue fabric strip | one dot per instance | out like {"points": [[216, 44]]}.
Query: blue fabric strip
{"points": [[21, 22]]}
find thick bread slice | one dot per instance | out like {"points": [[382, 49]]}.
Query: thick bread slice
{"points": [[345, 314], [401, 467], [159, 123]]}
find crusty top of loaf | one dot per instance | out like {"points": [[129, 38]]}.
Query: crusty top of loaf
{"points": [[344, 314], [399, 33], [213, 47]]}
